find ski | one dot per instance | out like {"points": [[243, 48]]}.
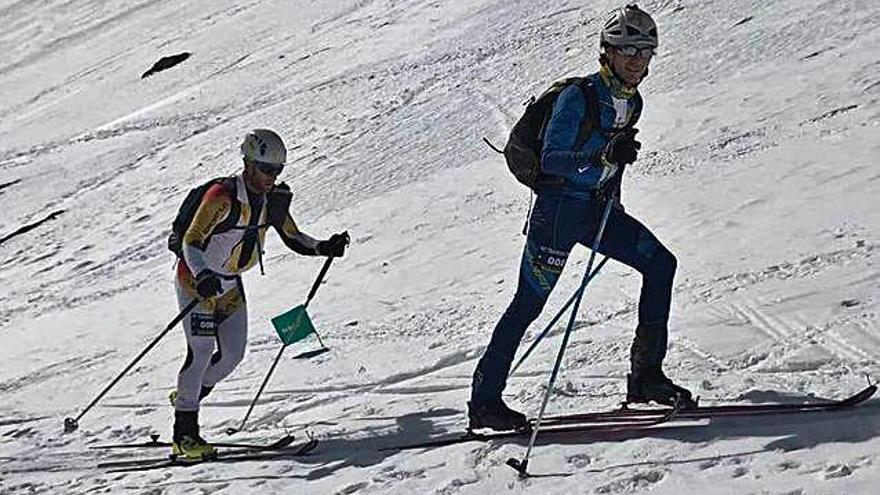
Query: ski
{"points": [[233, 455], [154, 442], [627, 419], [547, 428], [625, 414]]}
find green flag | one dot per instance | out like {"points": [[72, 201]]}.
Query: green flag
{"points": [[293, 325]]}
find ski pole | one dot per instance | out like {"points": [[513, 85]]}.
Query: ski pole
{"points": [[72, 424], [318, 280], [315, 285], [314, 289], [522, 465], [555, 319], [233, 431], [558, 314]]}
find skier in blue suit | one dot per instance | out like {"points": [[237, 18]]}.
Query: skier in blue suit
{"points": [[568, 211]]}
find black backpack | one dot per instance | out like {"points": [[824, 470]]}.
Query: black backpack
{"points": [[191, 203], [526, 141]]}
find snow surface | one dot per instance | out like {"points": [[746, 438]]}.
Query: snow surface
{"points": [[759, 170]]}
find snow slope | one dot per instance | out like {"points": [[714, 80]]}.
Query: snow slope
{"points": [[759, 170]]}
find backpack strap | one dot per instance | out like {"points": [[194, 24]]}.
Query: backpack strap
{"points": [[231, 220], [633, 120], [251, 238], [591, 116], [190, 205]]}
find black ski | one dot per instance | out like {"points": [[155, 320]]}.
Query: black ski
{"points": [[627, 414], [587, 427], [627, 419], [232, 455], [281, 443]]}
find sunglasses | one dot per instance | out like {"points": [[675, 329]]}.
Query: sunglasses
{"points": [[632, 51], [268, 168]]}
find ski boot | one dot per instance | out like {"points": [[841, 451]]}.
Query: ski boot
{"points": [[647, 382], [657, 387], [192, 449], [187, 445], [496, 416]]}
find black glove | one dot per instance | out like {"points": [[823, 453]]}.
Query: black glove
{"points": [[278, 204], [622, 149], [334, 246], [208, 284]]}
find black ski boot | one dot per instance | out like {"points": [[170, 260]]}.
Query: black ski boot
{"points": [[647, 382], [657, 387], [187, 445], [497, 416]]}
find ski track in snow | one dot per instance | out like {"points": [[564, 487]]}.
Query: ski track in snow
{"points": [[760, 135]]}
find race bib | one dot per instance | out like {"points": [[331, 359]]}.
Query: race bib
{"points": [[203, 325]]}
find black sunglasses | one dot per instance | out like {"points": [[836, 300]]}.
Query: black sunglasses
{"points": [[268, 168]]}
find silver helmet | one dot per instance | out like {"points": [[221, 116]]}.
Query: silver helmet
{"points": [[264, 145], [629, 25]]}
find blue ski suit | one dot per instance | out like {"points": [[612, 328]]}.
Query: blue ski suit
{"points": [[568, 213]]}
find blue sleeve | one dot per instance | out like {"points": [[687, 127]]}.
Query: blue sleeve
{"points": [[559, 156]]}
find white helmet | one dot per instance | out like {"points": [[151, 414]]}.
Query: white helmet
{"points": [[264, 145], [629, 25]]}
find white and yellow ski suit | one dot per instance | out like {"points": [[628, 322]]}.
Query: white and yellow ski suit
{"points": [[216, 330]]}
